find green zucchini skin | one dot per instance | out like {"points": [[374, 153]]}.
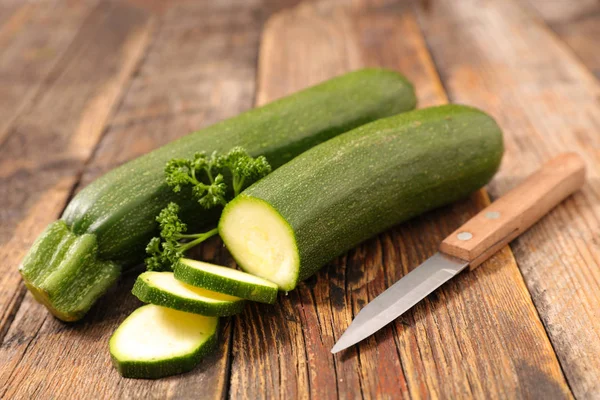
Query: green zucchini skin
{"points": [[185, 272], [146, 291], [119, 208], [358, 184]]}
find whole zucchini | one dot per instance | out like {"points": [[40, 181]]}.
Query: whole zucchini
{"points": [[108, 224], [327, 200]]}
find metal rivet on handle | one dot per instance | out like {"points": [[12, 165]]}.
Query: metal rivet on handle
{"points": [[492, 215], [464, 236]]}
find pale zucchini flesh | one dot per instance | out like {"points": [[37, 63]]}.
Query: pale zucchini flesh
{"points": [[264, 242], [156, 341], [162, 289], [226, 280]]}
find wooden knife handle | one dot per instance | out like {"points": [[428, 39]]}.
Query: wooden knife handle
{"points": [[512, 214]]}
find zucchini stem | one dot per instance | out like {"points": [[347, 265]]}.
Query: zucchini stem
{"points": [[64, 273]]}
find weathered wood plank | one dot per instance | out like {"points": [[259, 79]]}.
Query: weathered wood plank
{"points": [[494, 55], [46, 148], [576, 22], [10, 11], [200, 68], [33, 39], [455, 344], [460, 341], [271, 358]]}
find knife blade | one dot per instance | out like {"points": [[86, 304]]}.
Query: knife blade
{"points": [[472, 244]]}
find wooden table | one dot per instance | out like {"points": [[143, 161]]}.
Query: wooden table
{"points": [[87, 85]]}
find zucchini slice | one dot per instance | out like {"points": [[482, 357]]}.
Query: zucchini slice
{"points": [[155, 341], [226, 280], [162, 289]]}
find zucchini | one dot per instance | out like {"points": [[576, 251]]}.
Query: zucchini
{"points": [[329, 199], [119, 208], [225, 280], [155, 341], [162, 289]]}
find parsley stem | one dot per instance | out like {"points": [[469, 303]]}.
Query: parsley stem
{"points": [[188, 236], [201, 238], [238, 183], [210, 176]]}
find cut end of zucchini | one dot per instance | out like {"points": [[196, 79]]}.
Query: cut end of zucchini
{"points": [[161, 288], [261, 241], [226, 280], [155, 341]]}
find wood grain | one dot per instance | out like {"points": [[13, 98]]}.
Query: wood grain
{"points": [[7, 11], [577, 23], [452, 344], [48, 145], [496, 57], [34, 37], [479, 336], [197, 70]]}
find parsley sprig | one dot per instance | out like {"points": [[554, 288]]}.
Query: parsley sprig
{"points": [[206, 176]]}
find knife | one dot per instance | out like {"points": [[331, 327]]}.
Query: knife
{"points": [[471, 244]]}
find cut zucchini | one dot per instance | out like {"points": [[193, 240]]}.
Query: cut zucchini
{"points": [[162, 289], [268, 247], [288, 225], [155, 341], [226, 280]]}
